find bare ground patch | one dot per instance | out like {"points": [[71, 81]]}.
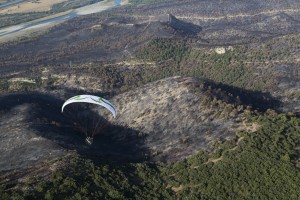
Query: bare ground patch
{"points": [[178, 189]]}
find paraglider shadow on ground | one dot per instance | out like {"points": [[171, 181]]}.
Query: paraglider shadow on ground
{"points": [[112, 144]]}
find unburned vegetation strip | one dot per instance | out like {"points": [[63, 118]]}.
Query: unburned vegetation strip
{"points": [[264, 164]]}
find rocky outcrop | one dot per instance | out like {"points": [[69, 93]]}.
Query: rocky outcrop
{"points": [[183, 27]]}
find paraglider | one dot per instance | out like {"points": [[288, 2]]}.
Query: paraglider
{"points": [[93, 119]]}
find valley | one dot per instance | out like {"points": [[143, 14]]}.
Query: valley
{"points": [[207, 95]]}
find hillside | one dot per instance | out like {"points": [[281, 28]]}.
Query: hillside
{"points": [[167, 120], [262, 162], [207, 95], [179, 116]]}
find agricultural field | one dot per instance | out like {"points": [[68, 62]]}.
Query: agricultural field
{"points": [[31, 6]]}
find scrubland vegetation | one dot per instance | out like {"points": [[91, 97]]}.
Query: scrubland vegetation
{"points": [[235, 67], [179, 57], [261, 162], [255, 165]]}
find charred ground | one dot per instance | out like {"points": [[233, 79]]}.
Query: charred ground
{"points": [[183, 82]]}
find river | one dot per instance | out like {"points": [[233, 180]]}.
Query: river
{"points": [[85, 10]]}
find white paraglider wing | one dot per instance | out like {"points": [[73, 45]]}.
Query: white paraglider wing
{"points": [[91, 99]]}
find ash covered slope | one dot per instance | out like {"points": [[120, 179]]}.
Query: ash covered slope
{"points": [[231, 21], [23, 134], [85, 40], [33, 131], [93, 38], [166, 120], [179, 116]]}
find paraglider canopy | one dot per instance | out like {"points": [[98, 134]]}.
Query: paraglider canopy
{"points": [[90, 123], [91, 99]]}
